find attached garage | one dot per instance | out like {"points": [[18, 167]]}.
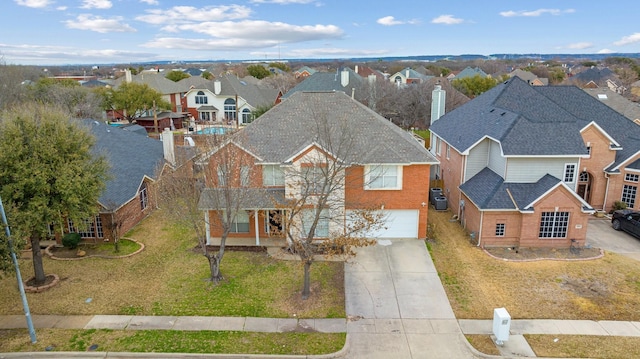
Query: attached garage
{"points": [[400, 223]]}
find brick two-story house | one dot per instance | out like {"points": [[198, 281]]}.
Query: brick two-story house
{"points": [[526, 166], [382, 167]]}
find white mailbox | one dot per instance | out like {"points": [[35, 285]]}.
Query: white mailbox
{"points": [[501, 325]]}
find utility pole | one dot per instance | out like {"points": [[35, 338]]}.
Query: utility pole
{"points": [[155, 117], [25, 305]]}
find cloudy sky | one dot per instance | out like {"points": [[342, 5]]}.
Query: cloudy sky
{"points": [[51, 32]]}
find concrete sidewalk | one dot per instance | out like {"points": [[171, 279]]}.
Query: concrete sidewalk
{"points": [[129, 322]]}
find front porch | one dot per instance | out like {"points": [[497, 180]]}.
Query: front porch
{"points": [[278, 242]]}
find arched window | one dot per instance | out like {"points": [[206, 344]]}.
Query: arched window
{"points": [[247, 117], [230, 109], [201, 98]]}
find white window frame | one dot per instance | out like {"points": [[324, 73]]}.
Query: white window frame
{"points": [[201, 98], [438, 146], [144, 196], [272, 176], [569, 175], [448, 151], [629, 193], [631, 177], [501, 228], [245, 178], [374, 172], [554, 225], [230, 109], [222, 175], [322, 228], [235, 225]]}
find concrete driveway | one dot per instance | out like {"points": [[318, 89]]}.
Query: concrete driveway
{"points": [[601, 235], [397, 306]]}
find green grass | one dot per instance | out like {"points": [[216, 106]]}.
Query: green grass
{"points": [[172, 341]]}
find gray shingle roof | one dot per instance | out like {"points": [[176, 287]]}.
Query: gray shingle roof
{"points": [[535, 121], [327, 81], [132, 157], [244, 198], [305, 117], [156, 81], [256, 96], [489, 191], [628, 108]]}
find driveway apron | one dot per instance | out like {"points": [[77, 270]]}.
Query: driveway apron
{"points": [[397, 307]]}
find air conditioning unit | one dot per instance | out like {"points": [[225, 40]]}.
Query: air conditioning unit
{"points": [[440, 203], [433, 193]]}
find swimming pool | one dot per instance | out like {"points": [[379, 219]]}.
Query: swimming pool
{"points": [[212, 131]]}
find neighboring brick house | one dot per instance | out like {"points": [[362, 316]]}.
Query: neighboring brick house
{"points": [[529, 77], [136, 162], [384, 167], [171, 91], [526, 166], [227, 99]]}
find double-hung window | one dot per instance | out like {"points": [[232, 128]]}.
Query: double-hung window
{"points": [[313, 177], [384, 177], [272, 175], [144, 196], [322, 227], [241, 223], [570, 172]]}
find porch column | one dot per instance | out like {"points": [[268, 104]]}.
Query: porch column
{"points": [[257, 226], [206, 227]]}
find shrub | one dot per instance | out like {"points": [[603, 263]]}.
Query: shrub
{"points": [[71, 240], [619, 205]]}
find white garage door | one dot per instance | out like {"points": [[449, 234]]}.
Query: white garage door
{"points": [[400, 223]]}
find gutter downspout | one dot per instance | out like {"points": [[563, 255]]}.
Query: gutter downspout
{"points": [[606, 192], [462, 176], [480, 229]]}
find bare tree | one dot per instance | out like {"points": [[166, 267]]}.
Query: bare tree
{"points": [[317, 220], [282, 82], [184, 195]]}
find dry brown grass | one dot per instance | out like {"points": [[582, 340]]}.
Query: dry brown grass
{"points": [[483, 343], [584, 346], [602, 289]]}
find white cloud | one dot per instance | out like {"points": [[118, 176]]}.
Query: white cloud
{"points": [[332, 52], [150, 2], [186, 14], [535, 13], [99, 24], [605, 51], [447, 20], [37, 54], [248, 34], [391, 21], [264, 30], [628, 40], [96, 4], [580, 46], [34, 3]]}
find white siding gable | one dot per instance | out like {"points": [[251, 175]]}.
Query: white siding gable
{"points": [[477, 159], [531, 169]]}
